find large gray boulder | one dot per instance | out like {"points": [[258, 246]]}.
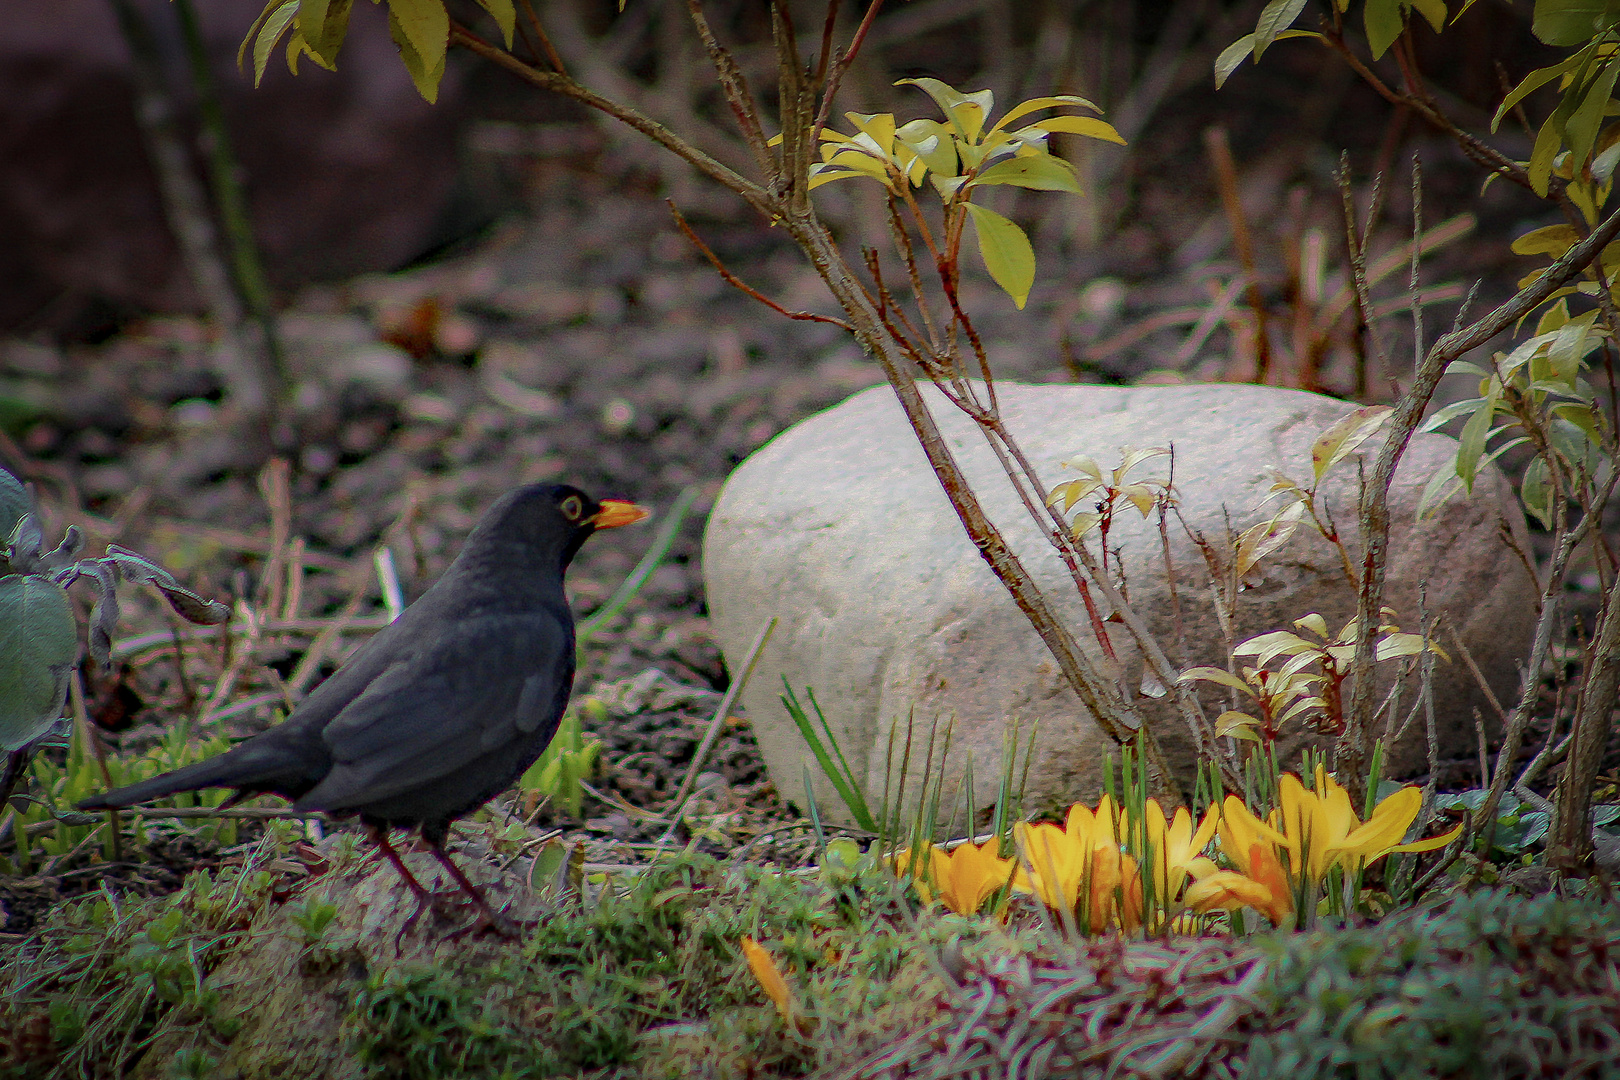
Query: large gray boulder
{"points": [[839, 529]]}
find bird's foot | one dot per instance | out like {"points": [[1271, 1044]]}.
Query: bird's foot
{"points": [[498, 923], [443, 903]]}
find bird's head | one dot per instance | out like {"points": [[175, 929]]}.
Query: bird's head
{"points": [[548, 522]]}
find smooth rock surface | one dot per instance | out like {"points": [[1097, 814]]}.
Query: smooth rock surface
{"points": [[839, 529]]}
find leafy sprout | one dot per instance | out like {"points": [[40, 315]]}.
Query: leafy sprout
{"points": [[961, 154]]}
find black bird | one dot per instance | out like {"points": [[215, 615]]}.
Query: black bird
{"points": [[444, 708]]}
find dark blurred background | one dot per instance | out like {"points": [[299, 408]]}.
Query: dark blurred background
{"points": [[351, 171]]}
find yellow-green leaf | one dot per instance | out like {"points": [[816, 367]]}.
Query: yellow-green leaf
{"points": [[1276, 17], [1261, 540], [1539, 78], [1551, 135], [966, 112], [1384, 20], [1582, 130], [1233, 55], [269, 34], [1434, 11], [421, 29], [1551, 240], [1089, 126], [297, 47], [1347, 433], [1314, 623], [1573, 22], [1024, 108], [1038, 172], [1216, 675], [504, 15], [323, 25], [252, 35], [1237, 725], [1006, 252], [932, 142]]}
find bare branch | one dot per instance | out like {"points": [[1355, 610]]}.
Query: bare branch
{"points": [[735, 282]]}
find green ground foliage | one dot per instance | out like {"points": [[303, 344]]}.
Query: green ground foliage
{"points": [[643, 975]]}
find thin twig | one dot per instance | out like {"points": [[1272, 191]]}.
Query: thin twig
{"points": [[1350, 752], [737, 283], [841, 65], [545, 42]]}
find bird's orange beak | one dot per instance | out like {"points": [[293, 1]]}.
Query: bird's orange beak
{"points": [[614, 513]]}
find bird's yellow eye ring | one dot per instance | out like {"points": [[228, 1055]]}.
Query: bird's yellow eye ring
{"points": [[572, 508]]}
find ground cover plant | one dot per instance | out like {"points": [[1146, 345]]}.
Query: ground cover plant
{"points": [[1154, 929]]}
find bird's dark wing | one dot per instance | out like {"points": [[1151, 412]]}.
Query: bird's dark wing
{"points": [[480, 686]]}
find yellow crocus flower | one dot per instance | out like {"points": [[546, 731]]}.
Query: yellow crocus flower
{"points": [[962, 878]]}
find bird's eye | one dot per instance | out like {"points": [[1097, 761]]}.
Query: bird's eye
{"points": [[572, 508]]}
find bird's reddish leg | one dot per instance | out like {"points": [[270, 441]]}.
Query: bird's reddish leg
{"points": [[424, 898], [488, 917]]}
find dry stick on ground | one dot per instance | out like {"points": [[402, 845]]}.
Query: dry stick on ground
{"points": [[1226, 179], [785, 201], [720, 714], [1351, 752]]}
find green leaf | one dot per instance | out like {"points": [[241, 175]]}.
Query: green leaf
{"points": [[1232, 57], [1440, 489], [1006, 252], [1582, 130], [504, 15], [39, 644], [324, 24], [1573, 22], [1039, 172], [842, 777], [1385, 21], [1276, 17], [14, 506], [1551, 135], [1533, 492], [1240, 50], [421, 29], [1434, 11], [275, 25], [1539, 78], [1471, 442], [1446, 415]]}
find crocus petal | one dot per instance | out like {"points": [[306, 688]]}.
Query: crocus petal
{"points": [[1053, 868], [1206, 830], [1432, 843], [974, 874], [1227, 890], [1268, 871], [1389, 822], [1239, 829]]}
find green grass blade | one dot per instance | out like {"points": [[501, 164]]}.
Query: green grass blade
{"points": [[846, 786]]}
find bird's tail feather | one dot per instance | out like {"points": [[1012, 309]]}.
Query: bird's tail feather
{"points": [[234, 769]]}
